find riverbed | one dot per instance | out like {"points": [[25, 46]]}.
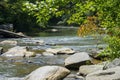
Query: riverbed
{"points": [[53, 38]]}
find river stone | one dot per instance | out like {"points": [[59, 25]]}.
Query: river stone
{"points": [[18, 52], [48, 73], [87, 69], [47, 54], [114, 63], [60, 51], [109, 74], [95, 53], [8, 42], [76, 60]]}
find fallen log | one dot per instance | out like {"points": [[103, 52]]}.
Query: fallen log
{"points": [[10, 34]]}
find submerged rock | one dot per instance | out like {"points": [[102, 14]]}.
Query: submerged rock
{"points": [[60, 51], [109, 74], [32, 41], [48, 73], [74, 77], [76, 60], [87, 69], [9, 42], [18, 52]]}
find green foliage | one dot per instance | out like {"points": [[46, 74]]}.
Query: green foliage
{"points": [[113, 49], [107, 12]]}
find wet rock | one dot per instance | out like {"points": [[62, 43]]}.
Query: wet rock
{"points": [[95, 53], [8, 42], [48, 73], [76, 60], [54, 30], [87, 69], [114, 63], [18, 52], [32, 41], [60, 51], [109, 74]]}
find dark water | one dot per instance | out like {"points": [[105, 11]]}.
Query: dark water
{"points": [[63, 37]]}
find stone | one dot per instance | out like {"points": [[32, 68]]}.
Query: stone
{"points": [[48, 73], [9, 42], [109, 74], [60, 51], [18, 52], [95, 53], [76, 60], [47, 54], [87, 69], [114, 63]]}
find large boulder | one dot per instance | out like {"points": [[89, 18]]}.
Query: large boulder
{"points": [[8, 42], [87, 69], [18, 52], [48, 73], [76, 60], [60, 51], [109, 74]]}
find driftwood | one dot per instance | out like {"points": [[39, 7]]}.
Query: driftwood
{"points": [[10, 34]]}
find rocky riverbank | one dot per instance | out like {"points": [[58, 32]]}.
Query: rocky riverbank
{"points": [[76, 65]]}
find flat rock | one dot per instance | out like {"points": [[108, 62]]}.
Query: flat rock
{"points": [[8, 42], [18, 52], [87, 69], [48, 73], [60, 51], [109, 74], [76, 60]]}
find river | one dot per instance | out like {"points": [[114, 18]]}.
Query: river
{"points": [[58, 37]]}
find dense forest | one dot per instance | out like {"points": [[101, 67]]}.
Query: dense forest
{"points": [[35, 15]]}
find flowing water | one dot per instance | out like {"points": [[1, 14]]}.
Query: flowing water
{"points": [[54, 38]]}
